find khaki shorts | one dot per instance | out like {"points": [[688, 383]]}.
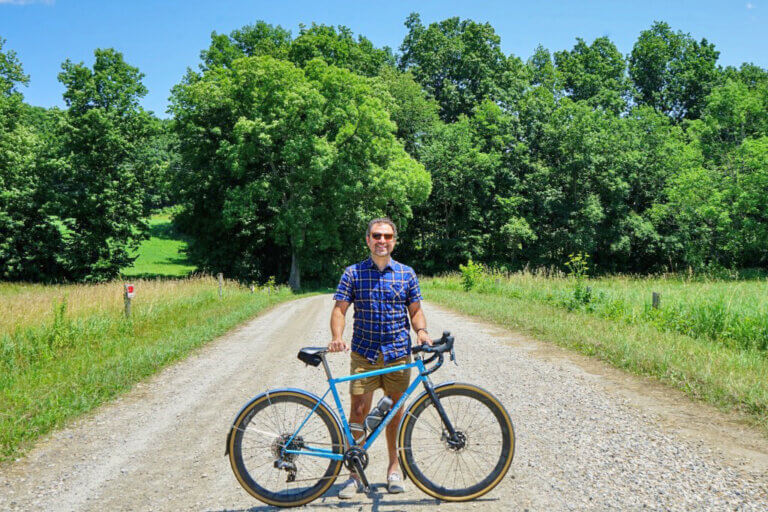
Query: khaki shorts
{"points": [[395, 382]]}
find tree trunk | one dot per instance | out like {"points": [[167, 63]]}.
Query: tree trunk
{"points": [[294, 280]]}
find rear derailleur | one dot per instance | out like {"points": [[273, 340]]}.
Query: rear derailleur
{"points": [[285, 461]]}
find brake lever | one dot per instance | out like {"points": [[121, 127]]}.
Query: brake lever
{"points": [[453, 357]]}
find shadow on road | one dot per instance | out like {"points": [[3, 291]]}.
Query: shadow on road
{"points": [[377, 503]]}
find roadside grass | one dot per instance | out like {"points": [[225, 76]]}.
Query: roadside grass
{"points": [[732, 312], [714, 368], [162, 255], [67, 349]]}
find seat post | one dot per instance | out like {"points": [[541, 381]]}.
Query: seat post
{"points": [[325, 366]]}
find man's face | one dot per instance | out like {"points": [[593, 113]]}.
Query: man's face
{"points": [[381, 239]]}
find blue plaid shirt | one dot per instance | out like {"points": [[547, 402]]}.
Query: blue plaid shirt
{"points": [[381, 300]]}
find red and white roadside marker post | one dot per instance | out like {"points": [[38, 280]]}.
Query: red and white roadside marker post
{"points": [[130, 291]]}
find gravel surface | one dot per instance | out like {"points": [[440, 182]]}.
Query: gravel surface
{"points": [[588, 437]]}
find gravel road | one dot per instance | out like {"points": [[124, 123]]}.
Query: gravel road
{"points": [[588, 437]]}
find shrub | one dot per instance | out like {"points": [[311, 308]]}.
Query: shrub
{"points": [[471, 273]]}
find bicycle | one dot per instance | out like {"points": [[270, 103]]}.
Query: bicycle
{"points": [[456, 441]]}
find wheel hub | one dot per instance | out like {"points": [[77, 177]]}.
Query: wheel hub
{"points": [[455, 443]]}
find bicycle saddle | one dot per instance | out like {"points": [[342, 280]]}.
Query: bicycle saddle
{"points": [[312, 355]]}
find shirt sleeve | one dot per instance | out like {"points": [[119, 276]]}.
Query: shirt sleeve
{"points": [[414, 291], [345, 291]]}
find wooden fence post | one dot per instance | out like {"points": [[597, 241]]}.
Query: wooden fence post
{"points": [[655, 300], [220, 276], [128, 292]]}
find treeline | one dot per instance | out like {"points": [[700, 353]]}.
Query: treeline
{"points": [[77, 184], [281, 148]]}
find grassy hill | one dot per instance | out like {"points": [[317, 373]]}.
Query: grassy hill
{"points": [[163, 254]]}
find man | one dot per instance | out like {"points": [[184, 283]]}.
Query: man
{"points": [[383, 291]]}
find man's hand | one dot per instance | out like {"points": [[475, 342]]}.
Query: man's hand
{"points": [[337, 345], [419, 323], [423, 337]]}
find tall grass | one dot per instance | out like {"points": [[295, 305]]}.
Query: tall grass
{"points": [[67, 349], [734, 313]]}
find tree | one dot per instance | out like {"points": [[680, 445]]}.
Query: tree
{"points": [[156, 162], [748, 201], [672, 72], [11, 72], [336, 46], [749, 74], [460, 63], [30, 241], [100, 189], [251, 40], [542, 68], [732, 113], [474, 209], [594, 73], [589, 180], [289, 163], [339, 48], [414, 112]]}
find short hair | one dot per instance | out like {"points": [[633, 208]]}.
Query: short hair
{"points": [[381, 220]]}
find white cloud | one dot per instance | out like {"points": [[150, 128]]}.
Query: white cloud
{"points": [[750, 5]]}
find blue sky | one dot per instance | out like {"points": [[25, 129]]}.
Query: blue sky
{"points": [[163, 37]]}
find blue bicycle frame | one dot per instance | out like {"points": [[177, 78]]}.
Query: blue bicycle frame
{"points": [[328, 454]]}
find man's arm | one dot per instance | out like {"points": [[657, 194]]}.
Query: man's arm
{"points": [[338, 315], [419, 323]]}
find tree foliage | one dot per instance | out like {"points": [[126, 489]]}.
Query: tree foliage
{"points": [[460, 63], [334, 45], [30, 241], [100, 186], [672, 72], [282, 147], [594, 73], [289, 161]]}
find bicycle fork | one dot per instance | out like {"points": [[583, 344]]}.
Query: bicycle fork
{"points": [[454, 438]]}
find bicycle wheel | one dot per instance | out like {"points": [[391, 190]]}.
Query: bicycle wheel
{"points": [[260, 433], [467, 471]]}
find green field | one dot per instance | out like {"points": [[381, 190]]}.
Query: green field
{"points": [[66, 349], [708, 337], [163, 254]]}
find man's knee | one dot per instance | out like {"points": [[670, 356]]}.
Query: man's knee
{"points": [[361, 404]]}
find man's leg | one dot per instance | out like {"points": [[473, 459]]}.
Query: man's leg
{"points": [[392, 435], [395, 384], [361, 406]]}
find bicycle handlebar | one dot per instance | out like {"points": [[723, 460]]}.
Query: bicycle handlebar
{"points": [[437, 349], [444, 344]]}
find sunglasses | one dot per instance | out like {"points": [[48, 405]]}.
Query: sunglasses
{"points": [[386, 236]]}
